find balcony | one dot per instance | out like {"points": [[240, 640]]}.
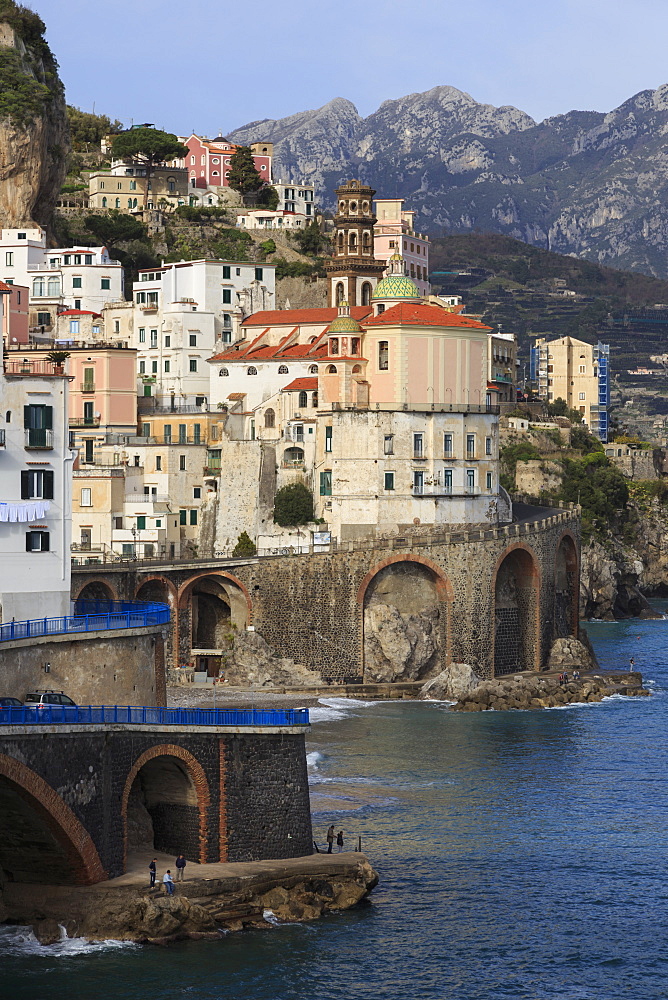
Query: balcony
{"points": [[147, 498], [38, 438], [84, 421], [87, 386]]}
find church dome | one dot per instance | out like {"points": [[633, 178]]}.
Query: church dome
{"points": [[396, 286], [344, 322]]}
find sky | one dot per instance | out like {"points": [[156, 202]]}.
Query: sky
{"points": [[210, 65]]}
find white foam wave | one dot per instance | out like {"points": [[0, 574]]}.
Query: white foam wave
{"points": [[22, 941], [313, 759], [335, 709]]}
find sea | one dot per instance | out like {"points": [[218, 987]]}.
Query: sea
{"points": [[522, 856]]}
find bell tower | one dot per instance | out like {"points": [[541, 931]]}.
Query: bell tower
{"points": [[353, 272]]}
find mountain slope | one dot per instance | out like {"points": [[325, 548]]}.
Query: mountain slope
{"points": [[585, 183]]}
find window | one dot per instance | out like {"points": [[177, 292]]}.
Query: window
{"points": [[117, 326], [74, 327], [383, 356], [333, 345], [303, 399], [227, 296], [388, 444], [226, 272], [182, 463], [447, 445], [418, 446], [154, 338], [37, 541], [193, 340], [168, 340], [283, 369], [166, 366], [9, 259], [258, 274], [146, 430], [197, 433], [118, 523], [154, 367], [269, 418], [141, 522], [328, 438], [142, 335], [470, 445], [418, 483], [193, 365], [183, 517], [447, 480], [142, 367], [326, 483], [582, 395], [183, 433], [488, 446], [158, 463], [389, 480], [331, 369], [489, 480], [167, 431], [313, 370], [118, 203], [37, 485], [251, 370], [43, 319], [583, 369], [354, 345], [38, 422], [470, 480], [89, 378], [105, 283], [223, 372], [38, 287], [193, 516], [197, 492]]}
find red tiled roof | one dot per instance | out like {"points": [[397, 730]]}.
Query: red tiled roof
{"points": [[78, 312], [302, 384], [4, 287], [273, 353], [237, 395], [420, 314], [280, 317]]}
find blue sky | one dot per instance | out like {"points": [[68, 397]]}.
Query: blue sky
{"points": [[205, 65]]}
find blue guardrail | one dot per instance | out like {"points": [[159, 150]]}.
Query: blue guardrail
{"points": [[46, 715], [90, 616]]}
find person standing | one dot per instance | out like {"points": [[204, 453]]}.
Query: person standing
{"points": [[168, 882], [180, 866], [632, 664], [152, 870], [330, 839], [339, 840]]}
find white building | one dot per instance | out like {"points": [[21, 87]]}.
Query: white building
{"points": [[265, 218], [82, 278], [35, 492], [296, 198]]}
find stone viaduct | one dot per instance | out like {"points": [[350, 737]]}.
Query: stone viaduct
{"points": [[502, 595], [75, 798]]}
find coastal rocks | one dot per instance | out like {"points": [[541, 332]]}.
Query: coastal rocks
{"points": [[537, 691], [455, 682], [252, 662], [571, 654], [399, 646], [610, 580]]}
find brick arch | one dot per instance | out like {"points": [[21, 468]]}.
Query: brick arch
{"points": [[170, 586], [105, 583], [186, 589], [58, 817], [196, 773], [443, 585], [536, 577], [575, 596]]}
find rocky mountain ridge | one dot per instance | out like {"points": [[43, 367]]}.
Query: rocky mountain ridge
{"points": [[585, 183]]}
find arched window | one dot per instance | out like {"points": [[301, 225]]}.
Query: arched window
{"points": [[313, 370], [8, 416], [366, 243], [251, 370], [129, 202], [339, 293], [282, 369], [357, 369], [303, 399], [269, 418], [104, 203], [334, 345], [331, 369], [223, 371], [340, 242], [314, 400], [118, 203], [366, 294], [134, 202], [53, 286], [38, 286], [383, 356], [352, 243]]}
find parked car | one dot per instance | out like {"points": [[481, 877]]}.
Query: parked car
{"points": [[41, 699], [10, 703]]}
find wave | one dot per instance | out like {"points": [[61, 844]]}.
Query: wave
{"points": [[335, 709], [22, 941]]}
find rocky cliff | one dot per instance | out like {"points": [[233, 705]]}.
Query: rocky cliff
{"points": [[584, 183], [34, 135]]}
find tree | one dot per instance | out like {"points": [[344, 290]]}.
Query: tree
{"points": [[268, 197], [245, 545], [150, 146], [244, 175], [311, 240], [293, 505], [115, 228], [87, 129]]}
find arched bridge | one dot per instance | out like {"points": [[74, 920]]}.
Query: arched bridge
{"points": [[80, 788], [493, 597]]}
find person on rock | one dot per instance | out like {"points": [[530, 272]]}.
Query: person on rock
{"points": [[152, 868], [339, 840], [180, 867], [168, 882], [330, 838]]}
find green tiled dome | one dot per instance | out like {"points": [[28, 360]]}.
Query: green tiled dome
{"points": [[396, 286], [344, 324]]}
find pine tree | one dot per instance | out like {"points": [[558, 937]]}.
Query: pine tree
{"points": [[244, 176], [245, 545]]}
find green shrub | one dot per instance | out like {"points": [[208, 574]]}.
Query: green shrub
{"points": [[245, 547], [293, 505]]}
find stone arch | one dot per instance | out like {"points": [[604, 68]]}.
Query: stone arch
{"points": [[170, 817], [405, 612], [210, 604], [516, 617], [31, 811], [96, 590], [366, 287], [156, 588], [566, 587], [339, 293]]}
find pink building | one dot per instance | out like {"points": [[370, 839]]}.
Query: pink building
{"points": [[394, 233], [15, 313], [208, 160]]}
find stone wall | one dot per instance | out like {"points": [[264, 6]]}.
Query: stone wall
{"points": [[117, 667]]}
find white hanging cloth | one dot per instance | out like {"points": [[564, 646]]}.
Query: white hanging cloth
{"points": [[30, 510]]}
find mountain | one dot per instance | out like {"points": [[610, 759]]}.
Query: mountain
{"points": [[585, 183]]}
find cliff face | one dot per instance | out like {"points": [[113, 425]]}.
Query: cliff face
{"points": [[584, 183], [34, 134]]}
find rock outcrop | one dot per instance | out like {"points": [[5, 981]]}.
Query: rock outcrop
{"points": [[455, 682], [572, 654], [537, 691], [399, 646], [612, 577], [34, 134]]}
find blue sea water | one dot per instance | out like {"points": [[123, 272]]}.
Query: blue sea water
{"points": [[522, 856]]}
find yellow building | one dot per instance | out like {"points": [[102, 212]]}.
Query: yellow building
{"points": [[124, 188], [576, 372]]}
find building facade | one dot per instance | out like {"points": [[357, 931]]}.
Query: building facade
{"points": [[126, 187], [394, 232], [353, 272], [208, 160], [578, 373]]}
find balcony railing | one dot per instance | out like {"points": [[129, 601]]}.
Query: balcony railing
{"points": [[142, 716], [147, 498], [87, 386], [28, 367], [90, 616], [212, 470], [84, 421], [38, 437]]}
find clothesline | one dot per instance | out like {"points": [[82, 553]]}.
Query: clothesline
{"points": [[31, 510]]}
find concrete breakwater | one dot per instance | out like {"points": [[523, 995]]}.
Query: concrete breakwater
{"points": [[214, 898], [536, 691]]}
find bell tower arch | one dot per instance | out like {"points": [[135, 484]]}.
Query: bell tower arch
{"points": [[353, 272]]}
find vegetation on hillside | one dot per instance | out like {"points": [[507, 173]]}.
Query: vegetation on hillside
{"points": [[87, 129], [28, 82], [244, 176], [115, 227]]}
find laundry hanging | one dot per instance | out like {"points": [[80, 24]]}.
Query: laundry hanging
{"points": [[31, 510]]}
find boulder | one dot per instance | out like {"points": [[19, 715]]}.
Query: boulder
{"points": [[455, 682], [570, 654], [397, 646]]}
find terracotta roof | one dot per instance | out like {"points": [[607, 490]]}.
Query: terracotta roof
{"points": [[4, 287], [273, 353], [302, 384], [78, 312], [280, 317], [237, 395], [420, 314]]}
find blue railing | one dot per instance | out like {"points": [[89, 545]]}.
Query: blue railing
{"points": [[90, 616], [46, 715]]}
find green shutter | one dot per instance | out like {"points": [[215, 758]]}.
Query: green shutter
{"points": [[25, 485], [48, 417], [48, 485]]}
